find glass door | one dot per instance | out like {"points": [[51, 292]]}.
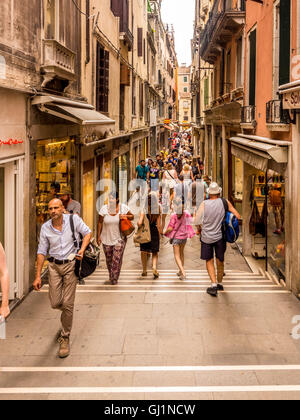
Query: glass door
{"points": [[2, 224], [11, 223]]}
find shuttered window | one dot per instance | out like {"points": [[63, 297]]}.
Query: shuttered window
{"points": [[284, 42], [141, 99], [140, 42], [115, 6], [102, 79], [205, 93], [252, 68]]}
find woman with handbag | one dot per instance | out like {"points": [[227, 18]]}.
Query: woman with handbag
{"points": [[179, 231], [111, 219], [153, 212]]}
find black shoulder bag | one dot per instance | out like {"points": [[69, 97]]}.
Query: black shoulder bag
{"points": [[90, 260]]}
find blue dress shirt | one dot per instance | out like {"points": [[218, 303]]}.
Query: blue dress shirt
{"points": [[60, 245]]}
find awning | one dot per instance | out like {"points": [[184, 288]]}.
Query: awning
{"points": [[168, 127], [92, 122], [259, 154]]}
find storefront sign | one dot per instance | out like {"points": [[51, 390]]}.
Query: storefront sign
{"points": [[10, 142], [291, 100]]}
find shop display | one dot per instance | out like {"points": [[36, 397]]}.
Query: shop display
{"points": [[267, 219], [55, 169]]}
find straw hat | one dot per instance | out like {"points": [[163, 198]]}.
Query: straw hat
{"points": [[214, 189]]}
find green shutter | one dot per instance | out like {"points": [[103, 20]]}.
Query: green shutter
{"points": [[284, 42], [206, 92]]}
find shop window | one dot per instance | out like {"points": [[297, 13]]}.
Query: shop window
{"points": [[267, 222], [102, 79], [238, 183], [55, 170], [88, 193]]}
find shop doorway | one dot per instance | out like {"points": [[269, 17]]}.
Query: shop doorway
{"points": [[88, 194], [11, 223]]}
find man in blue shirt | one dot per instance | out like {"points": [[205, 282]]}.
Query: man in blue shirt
{"points": [[142, 171], [56, 240]]}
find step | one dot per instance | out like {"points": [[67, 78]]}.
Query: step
{"points": [[154, 381]]}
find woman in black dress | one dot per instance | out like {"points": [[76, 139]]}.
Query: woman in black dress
{"points": [[153, 213]]}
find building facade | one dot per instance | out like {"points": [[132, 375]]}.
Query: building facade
{"points": [[248, 133], [184, 96], [75, 79]]}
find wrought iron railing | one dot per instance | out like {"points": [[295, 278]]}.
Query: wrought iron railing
{"points": [[248, 114], [220, 8], [275, 114], [124, 29]]}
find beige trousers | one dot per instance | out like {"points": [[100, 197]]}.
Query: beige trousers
{"points": [[62, 292]]}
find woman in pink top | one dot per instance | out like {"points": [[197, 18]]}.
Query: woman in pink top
{"points": [[179, 230]]}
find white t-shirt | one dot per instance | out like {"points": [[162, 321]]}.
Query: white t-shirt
{"points": [[111, 234]]}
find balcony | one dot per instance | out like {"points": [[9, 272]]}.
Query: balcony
{"points": [[125, 34], [277, 118], [151, 38], [225, 19], [248, 117], [58, 62]]}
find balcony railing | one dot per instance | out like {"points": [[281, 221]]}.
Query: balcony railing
{"points": [[125, 34], [248, 114], [275, 114], [58, 61], [221, 10]]}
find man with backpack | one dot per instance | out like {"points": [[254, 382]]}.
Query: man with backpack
{"points": [[210, 220]]}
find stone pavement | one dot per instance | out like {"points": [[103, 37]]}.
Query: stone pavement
{"points": [[162, 339]]}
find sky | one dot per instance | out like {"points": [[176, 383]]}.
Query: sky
{"points": [[180, 13]]}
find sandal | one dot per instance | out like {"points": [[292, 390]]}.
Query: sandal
{"points": [[144, 274], [155, 274]]}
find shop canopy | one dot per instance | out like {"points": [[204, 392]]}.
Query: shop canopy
{"points": [[81, 113], [259, 152]]}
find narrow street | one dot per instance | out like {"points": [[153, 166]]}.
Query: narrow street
{"points": [[162, 339], [150, 173]]}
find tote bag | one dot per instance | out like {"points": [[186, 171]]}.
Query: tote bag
{"points": [[143, 233]]}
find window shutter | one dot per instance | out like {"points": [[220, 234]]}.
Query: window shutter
{"points": [[284, 42], [115, 7], [252, 68], [102, 79], [125, 75], [205, 92], [106, 83], [140, 42], [141, 99]]}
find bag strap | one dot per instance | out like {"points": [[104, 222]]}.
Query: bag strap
{"points": [[73, 231], [181, 221], [225, 204], [171, 175]]}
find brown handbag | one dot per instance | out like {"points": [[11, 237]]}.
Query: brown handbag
{"points": [[126, 227]]}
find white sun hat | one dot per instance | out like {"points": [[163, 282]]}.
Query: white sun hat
{"points": [[214, 189]]}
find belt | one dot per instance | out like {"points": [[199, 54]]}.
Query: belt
{"points": [[59, 262]]}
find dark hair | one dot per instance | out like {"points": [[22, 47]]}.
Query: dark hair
{"points": [[181, 178], [179, 166]]}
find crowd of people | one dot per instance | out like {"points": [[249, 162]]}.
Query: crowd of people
{"points": [[168, 185]]}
